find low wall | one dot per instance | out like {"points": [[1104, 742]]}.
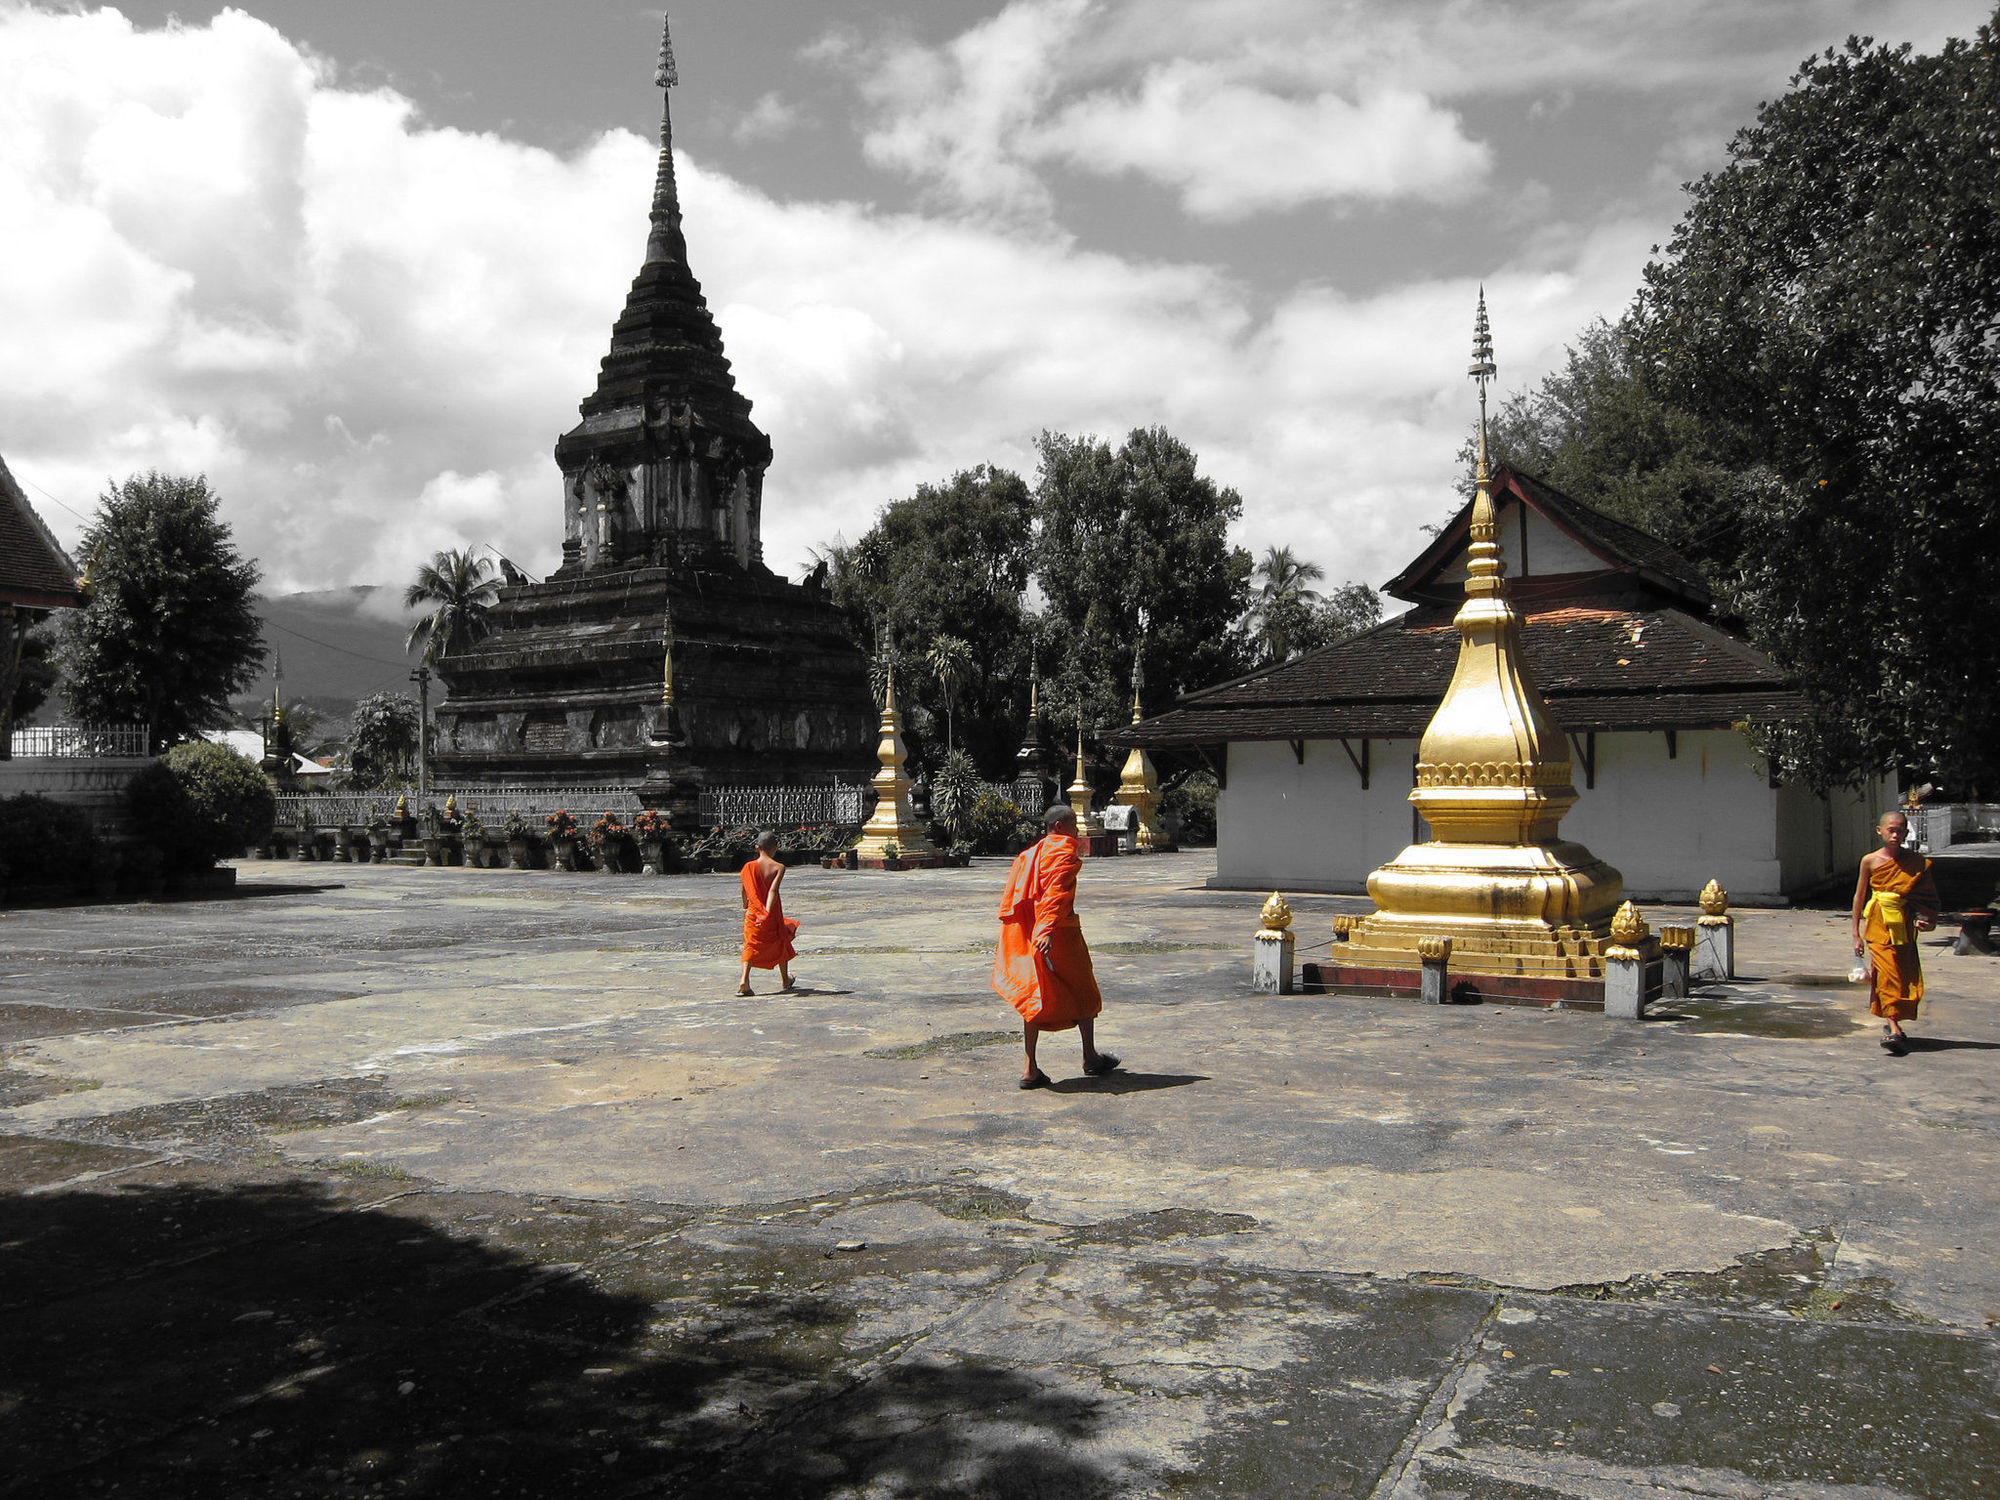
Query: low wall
{"points": [[95, 784]]}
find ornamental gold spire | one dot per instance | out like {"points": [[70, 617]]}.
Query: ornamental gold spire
{"points": [[1493, 783], [666, 242]]}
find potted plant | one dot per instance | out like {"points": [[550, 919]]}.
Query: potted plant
{"points": [[959, 855], [523, 847], [656, 845], [305, 842], [892, 855], [381, 841], [610, 841], [563, 841]]}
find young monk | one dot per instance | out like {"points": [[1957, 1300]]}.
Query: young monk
{"points": [[767, 931], [1042, 967], [1894, 900]]}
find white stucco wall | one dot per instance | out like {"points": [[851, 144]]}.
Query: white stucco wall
{"points": [[1282, 825], [1668, 824]]}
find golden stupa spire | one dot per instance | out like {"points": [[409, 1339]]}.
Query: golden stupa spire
{"points": [[1493, 783], [893, 822]]}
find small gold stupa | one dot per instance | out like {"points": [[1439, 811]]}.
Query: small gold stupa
{"points": [[1493, 782], [1139, 783], [893, 821]]}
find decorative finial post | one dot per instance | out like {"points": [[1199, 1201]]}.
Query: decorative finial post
{"points": [[1714, 935], [1483, 370], [1272, 948]]}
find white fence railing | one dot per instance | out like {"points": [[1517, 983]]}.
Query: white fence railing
{"points": [[78, 741]]}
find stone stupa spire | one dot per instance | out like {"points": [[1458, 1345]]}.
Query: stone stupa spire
{"points": [[666, 242]]}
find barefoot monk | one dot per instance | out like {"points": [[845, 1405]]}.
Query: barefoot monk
{"points": [[767, 931], [1042, 967]]}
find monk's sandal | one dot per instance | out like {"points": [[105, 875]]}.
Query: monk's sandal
{"points": [[1035, 1080], [1895, 1046]]}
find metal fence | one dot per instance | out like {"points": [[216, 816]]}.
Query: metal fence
{"points": [[78, 741], [721, 806], [786, 806]]}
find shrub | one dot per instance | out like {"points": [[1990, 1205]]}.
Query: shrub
{"points": [[954, 788], [44, 842], [199, 803], [988, 823], [1192, 801]]}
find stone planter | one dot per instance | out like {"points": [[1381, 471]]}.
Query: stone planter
{"points": [[434, 851], [568, 855], [492, 851], [526, 854], [378, 845], [328, 845]]}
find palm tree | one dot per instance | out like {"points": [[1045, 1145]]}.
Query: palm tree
{"points": [[455, 587], [1282, 597], [949, 659]]}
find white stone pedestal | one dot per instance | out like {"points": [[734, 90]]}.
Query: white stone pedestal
{"points": [[1715, 948], [1434, 978], [1676, 957], [1271, 963], [1625, 986]]}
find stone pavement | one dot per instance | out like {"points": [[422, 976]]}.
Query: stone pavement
{"points": [[448, 1182]]}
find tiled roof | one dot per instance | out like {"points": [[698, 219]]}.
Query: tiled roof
{"points": [[34, 569], [1623, 547], [1597, 668]]}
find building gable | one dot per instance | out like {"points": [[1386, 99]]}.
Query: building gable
{"points": [[35, 572]]}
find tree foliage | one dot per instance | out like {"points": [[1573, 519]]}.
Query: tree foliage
{"points": [[951, 560], [170, 632], [200, 803], [383, 740], [1288, 619], [457, 589], [1133, 555], [1802, 399]]}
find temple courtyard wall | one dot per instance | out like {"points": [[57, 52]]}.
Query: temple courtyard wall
{"points": [[463, 1182], [1668, 822]]}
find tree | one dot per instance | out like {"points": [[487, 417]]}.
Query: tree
{"points": [[949, 659], [1801, 399], [455, 586], [1827, 311], [1348, 610], [382, 742], [170, 632], [951, 559], [35, 675], [1284, 604], [1133, 546]]}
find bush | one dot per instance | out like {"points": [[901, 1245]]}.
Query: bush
{"points": [[988, 823], [45, 843], [1192, 801], [954, 788], [199, 803]]}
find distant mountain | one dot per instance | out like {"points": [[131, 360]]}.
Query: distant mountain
{"points": [[337, 646]]}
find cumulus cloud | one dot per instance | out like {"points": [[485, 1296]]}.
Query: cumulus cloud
{"points": [[368, 331], [770, 118]]}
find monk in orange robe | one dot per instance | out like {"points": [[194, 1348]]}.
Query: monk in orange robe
{"points": [[1894, 900], [1042, 967], [767, 931]]}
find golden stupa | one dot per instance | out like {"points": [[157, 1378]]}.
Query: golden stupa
{"points": [[1493, 782]]}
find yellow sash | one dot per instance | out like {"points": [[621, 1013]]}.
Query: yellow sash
{"points": [[1895, 916]]}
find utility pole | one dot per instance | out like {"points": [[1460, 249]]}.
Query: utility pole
{"points": [[422, 678]]}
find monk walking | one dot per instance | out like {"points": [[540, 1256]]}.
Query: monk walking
{"points": [[1894, 900], [1042, 967], [767, 931]]}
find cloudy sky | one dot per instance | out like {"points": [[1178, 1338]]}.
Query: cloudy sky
{"points": [[358, 261]]}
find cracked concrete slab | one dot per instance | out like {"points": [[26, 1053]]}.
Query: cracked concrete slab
{"points": [[454, 1182]]}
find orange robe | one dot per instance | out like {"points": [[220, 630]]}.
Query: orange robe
{"points": [[1056, 992], [1888, 926], [767, 931]]}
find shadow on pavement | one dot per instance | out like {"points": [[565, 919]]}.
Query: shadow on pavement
{"points": [[1947, 1044], [1126, 1083], [189, 1342]]}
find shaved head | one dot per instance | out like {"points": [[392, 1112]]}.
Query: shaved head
{"points": [[1059, 814]]}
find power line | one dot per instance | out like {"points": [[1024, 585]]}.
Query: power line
{"points": [[329, 645], [54, 501]]}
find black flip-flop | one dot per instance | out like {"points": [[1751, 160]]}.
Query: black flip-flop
{"points": [[1895, 1046], [1036, 1080], [1107, 1062]]}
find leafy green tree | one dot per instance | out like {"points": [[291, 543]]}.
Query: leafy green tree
{"points": [[951, 559], [35, 675], [200, 803], [1827, 311], [458, 590], [382, 741], [1284, 603], [170, 632], [1133, 553]]}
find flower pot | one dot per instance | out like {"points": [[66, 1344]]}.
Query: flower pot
{"points": [[378, 845], [524, 854], [567, 855], [652, 857]]}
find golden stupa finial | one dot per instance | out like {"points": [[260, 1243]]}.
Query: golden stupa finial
{"points": [[1276, 914], [1484, 565], [1138, 677], [666, 76]]}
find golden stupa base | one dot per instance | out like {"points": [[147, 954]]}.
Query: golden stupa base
{"points": [[1528, 925]]}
